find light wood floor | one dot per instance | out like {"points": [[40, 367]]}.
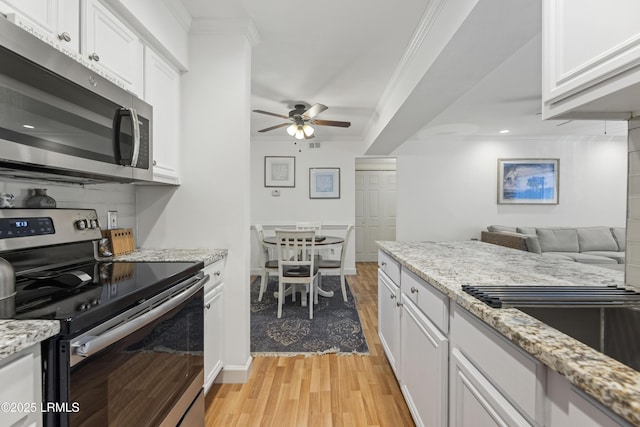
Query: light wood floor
{"points": [[326, 390]]}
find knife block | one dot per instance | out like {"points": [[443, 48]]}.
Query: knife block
{"points": [[121, 240]]}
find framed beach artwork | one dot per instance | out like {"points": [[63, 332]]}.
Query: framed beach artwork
{"points": [[324, 183], [528, 181], [279, 171]]}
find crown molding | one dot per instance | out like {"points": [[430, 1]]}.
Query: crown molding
{"points": [[179, 12], [413, 47], [238, 26]]}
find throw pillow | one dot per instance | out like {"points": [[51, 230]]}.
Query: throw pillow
{"points": [[526, 230], [499, 228], [558, 239], [620, 235], [596, 239]]}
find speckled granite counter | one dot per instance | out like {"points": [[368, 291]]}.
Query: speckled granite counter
{"points": [[208, 256], [16, 335], [449, 265]]}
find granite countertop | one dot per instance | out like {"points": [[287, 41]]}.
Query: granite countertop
{"points": [[449, 265], [16, 335], [208, 256]]}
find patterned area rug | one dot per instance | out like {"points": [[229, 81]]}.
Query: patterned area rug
{"points": [[335, 327]]}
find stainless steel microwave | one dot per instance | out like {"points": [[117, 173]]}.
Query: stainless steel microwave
{"points": [[63, 121]]}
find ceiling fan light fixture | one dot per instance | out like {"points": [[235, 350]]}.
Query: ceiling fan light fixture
{"points": [[299, 133], [308, 130], [291, 130]]}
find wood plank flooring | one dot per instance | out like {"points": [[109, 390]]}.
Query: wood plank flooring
{"points": [[325, 390]]}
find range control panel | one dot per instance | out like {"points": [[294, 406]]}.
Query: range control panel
{"points": [[28, 226]]}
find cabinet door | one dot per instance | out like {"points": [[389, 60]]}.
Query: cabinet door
{"points": [[474, 402], [213, 335], [58, 21], [389, 319], [424, 364], [21, 379], [591, 57], [162, 91], [108, 45]]}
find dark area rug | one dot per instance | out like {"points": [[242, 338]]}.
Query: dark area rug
{"points": [[335, 327]]}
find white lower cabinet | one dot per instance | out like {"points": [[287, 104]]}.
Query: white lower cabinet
{"points": [[389, 319], [21, 379], [424, 355], [213, 323]]}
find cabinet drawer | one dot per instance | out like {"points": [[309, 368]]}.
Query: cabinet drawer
{"points": [[516, 374], [433, 303], [390, 266], [216, 274]]}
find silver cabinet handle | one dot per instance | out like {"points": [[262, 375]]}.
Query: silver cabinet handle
{"points": [[155, 163], [208, 306], [217, 273], [414, 290], [392, 296], [398, 304], [94, 57], [383, 264], [64, 36]]}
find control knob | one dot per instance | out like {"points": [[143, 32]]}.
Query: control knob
{"points": [[81, 224], [93, 223]]}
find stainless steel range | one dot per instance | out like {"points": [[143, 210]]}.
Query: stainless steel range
{"points": [[130, 350]]}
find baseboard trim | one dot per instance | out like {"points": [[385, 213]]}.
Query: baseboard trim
{"points": [[235, 374]]}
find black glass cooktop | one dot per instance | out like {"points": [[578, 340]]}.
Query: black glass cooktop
{"points": [[82, 296], [612, 331]]}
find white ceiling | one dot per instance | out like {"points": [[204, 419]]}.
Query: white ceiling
{"points": [[343, 54]]}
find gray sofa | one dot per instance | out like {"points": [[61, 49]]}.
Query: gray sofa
{"points": [[602, 246]]}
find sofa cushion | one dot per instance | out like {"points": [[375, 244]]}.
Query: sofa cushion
{"points": [[584, 258], [499, 228], [557, 255], [619, 257], [596, 239], [526, 230], [620, 235], [558, 239]]}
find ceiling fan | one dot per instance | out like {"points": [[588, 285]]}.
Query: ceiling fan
{"points": [[300, 120]]}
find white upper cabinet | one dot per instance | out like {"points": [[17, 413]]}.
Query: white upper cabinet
{"points": [[591, 59], [56, 21], [162, 91], [108, 44]]}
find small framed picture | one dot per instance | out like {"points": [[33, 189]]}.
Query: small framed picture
{"points": [[324, 183], [279, 171], [528, 181]]}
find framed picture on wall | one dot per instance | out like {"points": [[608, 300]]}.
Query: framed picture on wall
{"points": [[528, 181], [279, 171], [324, 183]]}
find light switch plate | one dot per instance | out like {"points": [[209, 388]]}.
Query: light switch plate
{"points": [[112, 219]]}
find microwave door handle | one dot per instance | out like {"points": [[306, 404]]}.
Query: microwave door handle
{"points": [[89, 345], [135, 127]]}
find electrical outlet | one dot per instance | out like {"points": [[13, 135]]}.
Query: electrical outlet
{"points": [[112, 219]]}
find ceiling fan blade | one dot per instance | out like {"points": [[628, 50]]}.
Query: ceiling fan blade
{"points": [[309, 137], [274, 127], [331, 123], [271, 114], [313, 111]]}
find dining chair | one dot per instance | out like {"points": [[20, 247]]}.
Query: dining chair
{"points": [[269, 266], [337, 266], [297, 265]]}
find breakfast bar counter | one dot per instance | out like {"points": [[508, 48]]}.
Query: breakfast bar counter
{"points": [[447, 266]]}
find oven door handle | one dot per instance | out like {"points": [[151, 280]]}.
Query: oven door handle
{"points": [[86, 346]]}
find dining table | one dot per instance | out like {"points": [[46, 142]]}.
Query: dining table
{"points": [[320, 240]]}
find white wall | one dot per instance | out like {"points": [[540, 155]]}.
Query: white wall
{"points": [[294, 204], [211, 208], [447, 190], [101, 197]]}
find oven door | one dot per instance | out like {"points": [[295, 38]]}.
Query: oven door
{"points": [[147, 371]]}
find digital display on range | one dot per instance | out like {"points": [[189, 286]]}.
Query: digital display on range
{"points": [[23, 227]]}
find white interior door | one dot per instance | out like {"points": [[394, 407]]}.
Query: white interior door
{"points": [[375, 212]]}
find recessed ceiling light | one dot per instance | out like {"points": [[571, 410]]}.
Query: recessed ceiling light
{"points": [[28, 126], [504, 131]]}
